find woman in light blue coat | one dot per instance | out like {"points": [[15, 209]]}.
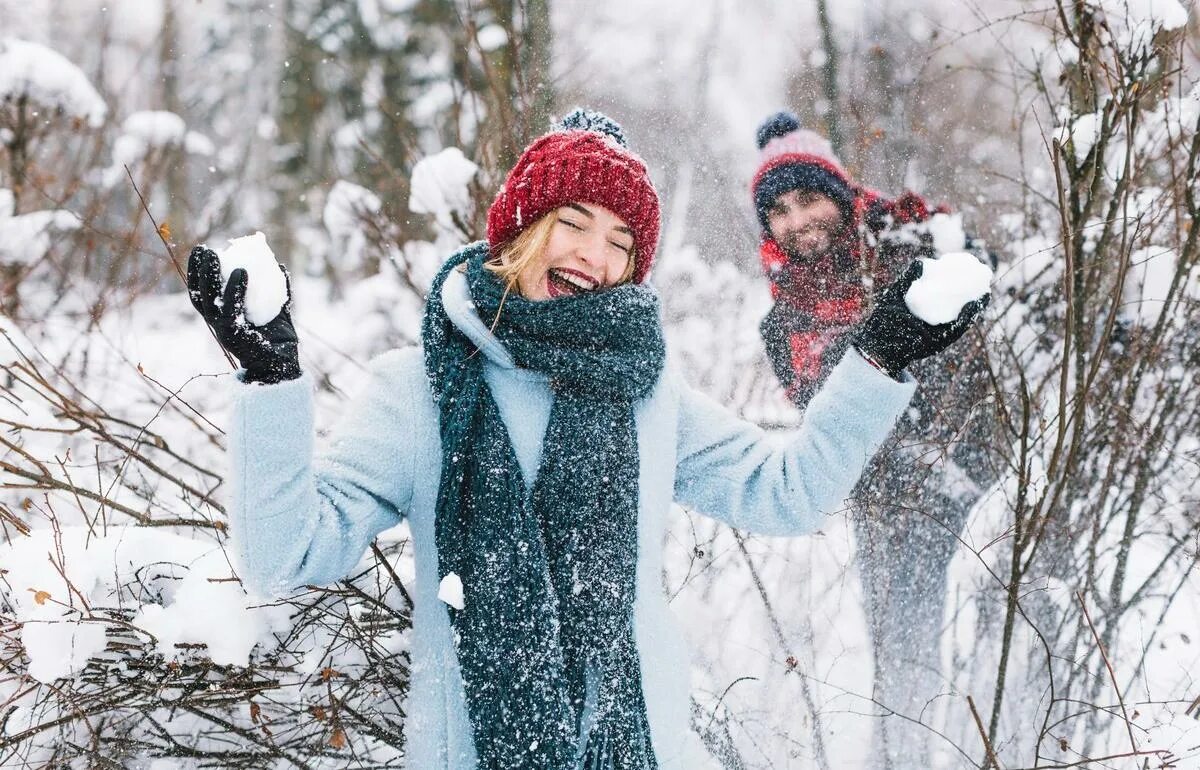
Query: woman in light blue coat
{"points": [[535, 443]]}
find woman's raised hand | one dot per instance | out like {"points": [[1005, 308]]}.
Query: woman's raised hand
{"points": [[269, 353]]}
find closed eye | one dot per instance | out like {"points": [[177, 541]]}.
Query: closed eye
{"points": [[570, 224]]}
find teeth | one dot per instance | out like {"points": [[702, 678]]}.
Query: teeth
{"points": [[574, 280]]}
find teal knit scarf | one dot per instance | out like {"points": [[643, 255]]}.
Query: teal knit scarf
{"points": [[548, 578]]}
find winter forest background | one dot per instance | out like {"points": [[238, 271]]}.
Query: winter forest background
{"points": [[1033, 603]]}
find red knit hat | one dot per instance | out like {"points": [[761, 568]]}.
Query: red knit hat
{"points": [[584, 160]]}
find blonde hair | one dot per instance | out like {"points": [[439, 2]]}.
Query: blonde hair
{"points": [[530, 244]]}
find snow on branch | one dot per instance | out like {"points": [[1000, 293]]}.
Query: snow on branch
{"points": [[33, 71], [25, 239], [440, 186]]}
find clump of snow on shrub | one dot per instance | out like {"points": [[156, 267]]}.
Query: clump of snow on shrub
{"points": [[1082, 132], [184, 583], [1135, 22], [49, 79], [1151, 271], [947, 231], [440, 186], [24, 239], [492, 37], [144, 132], [347, 208]]}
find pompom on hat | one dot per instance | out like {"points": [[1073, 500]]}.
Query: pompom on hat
{"points": [[795, 158], [583, 160]]}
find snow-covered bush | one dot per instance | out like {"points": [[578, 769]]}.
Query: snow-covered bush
{"points": [[1076, 575], [117, 587]]}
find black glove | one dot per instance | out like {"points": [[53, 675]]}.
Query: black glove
{"points": [[268, 353], [893, 337]]}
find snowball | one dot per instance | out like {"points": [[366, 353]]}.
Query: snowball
{"points": [[451, 591], [945, 285], [439, 184], [266, 289]]}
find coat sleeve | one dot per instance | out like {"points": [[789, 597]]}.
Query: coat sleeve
{"points": [[300, 519], [732, 470]]}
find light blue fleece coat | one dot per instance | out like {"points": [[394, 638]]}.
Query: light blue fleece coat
{"points": [[298, 520]]}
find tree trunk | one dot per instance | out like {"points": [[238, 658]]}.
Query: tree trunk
{"points": [[300, 105], [829, 78], [537, 52], [177, 212]]}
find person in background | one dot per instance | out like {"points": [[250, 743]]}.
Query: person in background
{"points": [[826, 242]]}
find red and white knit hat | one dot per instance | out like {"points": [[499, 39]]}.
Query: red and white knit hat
{"points": [[583, 160], [797, 141], [795, 158]]}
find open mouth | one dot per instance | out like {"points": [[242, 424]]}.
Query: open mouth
{"points": [[564, 282]]}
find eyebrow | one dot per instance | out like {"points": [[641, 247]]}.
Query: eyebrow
{"points": [[590, 215]]}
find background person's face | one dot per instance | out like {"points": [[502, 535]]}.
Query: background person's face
{"points": [[804, 223], [589, 249]]}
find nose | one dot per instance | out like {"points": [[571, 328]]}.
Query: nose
{"points": [[793, 219], [590, 250]]}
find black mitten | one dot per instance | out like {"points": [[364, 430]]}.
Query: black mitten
{"points": [[893, 337], [268, 353]]}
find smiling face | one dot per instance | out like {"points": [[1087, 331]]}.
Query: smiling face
{"points": [[587, 248], [804, 223]]}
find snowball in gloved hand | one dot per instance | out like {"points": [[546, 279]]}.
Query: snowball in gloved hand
{"points": [[266, 288], [945, 285]]}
